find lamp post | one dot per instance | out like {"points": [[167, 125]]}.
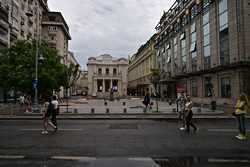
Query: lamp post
{"points": [[35, 82]]}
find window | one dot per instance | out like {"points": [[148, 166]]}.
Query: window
{"points": [[175, 47], [183, 52], [114, 71], [194, 88], [193, 47], [107, 71], [225, 87], [208, 87], [224, 37], [206, 40], [99, 71]]}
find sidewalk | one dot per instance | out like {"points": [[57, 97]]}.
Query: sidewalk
{"points": [[122, 109]]}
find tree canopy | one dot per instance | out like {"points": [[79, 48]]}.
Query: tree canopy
{"points": [[17, 68]]}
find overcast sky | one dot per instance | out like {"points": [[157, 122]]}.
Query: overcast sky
{"points": [[116, 27]]}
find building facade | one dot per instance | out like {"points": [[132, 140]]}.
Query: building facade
{"points": [[56, 32], [24, 19], [140, 69], [107, 74], [4, 25], [203, 49]]}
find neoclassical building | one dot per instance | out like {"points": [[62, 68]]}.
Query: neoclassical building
{"points": [[106, 74]]}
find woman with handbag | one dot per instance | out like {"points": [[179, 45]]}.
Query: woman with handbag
{"points": [[189, 114], [240, 113], [55, 110]]}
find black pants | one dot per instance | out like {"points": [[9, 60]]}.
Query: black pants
{"points": [[189, 121], [53, 118], [241, 121]]}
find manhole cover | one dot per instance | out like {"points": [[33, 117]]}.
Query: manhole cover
{"points": [[123, 126]]}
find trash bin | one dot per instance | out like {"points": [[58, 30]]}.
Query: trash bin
{"points": [[213, 105]]}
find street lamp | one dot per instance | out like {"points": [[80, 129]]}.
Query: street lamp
{"points": [[29, 14]]}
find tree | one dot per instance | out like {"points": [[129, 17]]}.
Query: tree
{"points": [[17, 68], [71, 75]]}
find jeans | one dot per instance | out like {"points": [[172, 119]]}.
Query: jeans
{"points": [[189, 121], [53, 119], [241, 122]]}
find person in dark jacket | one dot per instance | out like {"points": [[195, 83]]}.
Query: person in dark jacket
{"points": [[146, 101]]}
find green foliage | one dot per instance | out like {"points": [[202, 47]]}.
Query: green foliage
{"points": [[72, 74], [17, 68]]}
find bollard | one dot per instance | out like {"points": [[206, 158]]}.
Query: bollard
{"points": [[125, 110], [92, 110], [75, 111], [107, 110]]}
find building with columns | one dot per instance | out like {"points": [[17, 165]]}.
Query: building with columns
{"points": [[106, 74], [203, 49]]}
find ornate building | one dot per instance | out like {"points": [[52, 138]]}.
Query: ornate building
{"points": [[106, 74], [139, 70], [203, 49]]}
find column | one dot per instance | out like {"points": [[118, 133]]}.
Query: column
{"points": [[94, 87], [111, 84]]}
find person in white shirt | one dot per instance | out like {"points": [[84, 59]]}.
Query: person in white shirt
{"points": [[55, 111], [189, 115]]}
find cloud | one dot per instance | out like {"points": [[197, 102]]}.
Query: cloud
{"points": [[116, 27]]}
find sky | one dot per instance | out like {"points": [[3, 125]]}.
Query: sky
{"points": [[115, 27]]}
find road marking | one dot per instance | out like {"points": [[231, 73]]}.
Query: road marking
{"points": [[140, 159], [73, 158], [228, 161], [224, 130], [12, 157], [58, 129]]}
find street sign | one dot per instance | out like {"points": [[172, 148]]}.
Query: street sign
{"points": [[34, 83]]}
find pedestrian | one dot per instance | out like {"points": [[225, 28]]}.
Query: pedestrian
{"points": [[181, 103], [47, 112], [21, 102], [241, 108], [189, 114], [146, 101], [55, 110], [28, 103]]}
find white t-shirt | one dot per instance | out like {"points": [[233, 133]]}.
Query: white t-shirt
{"points": [[55, 103]]}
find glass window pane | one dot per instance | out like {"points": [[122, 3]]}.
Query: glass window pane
{"points": [[207, 51], [206, 18], [223, 21], [193, 27], [193, 37], [206, 29], [206, 40], [222, 6]]}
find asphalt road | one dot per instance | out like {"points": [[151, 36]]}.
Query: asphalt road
{"points": [[121, 143]]}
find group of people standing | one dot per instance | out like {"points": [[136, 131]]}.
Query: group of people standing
{"points": [[51, 110]]}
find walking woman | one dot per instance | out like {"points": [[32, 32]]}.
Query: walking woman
{"points": [[48, 109], [189, 114], [55, 111], [240, 113]]}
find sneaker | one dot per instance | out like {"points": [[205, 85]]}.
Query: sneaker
{"points": [[241, 137], [55, 129], [182, 128], [45, 132]]}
